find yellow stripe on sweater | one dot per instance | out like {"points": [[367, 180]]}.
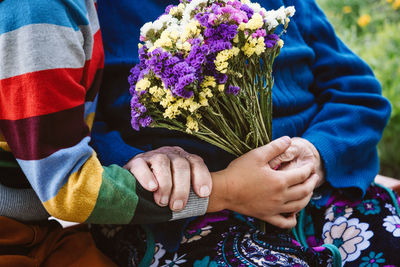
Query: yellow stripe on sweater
{"points": [[75, 201], [3, 144], [89, 120]]}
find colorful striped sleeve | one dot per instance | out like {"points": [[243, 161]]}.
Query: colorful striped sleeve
{"points": [[52, 58]]}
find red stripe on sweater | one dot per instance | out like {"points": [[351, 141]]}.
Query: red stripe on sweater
{"points": [[42, 92], [96, 62]]}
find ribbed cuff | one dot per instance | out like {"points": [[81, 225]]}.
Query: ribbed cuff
{"points": [[21, 204], [195, 206]]}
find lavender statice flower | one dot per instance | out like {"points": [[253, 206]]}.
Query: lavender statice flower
{"points": [[248, 10], [221, 78], [183, 81], [168, 8], [133, 78], [146, 121], [234, 90], [271, 40]]}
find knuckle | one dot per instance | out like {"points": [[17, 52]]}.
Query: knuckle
{"points": [[180, 163], [195, 159], [160, 158]]}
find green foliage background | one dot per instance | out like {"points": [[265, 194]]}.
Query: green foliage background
{"points": [[377, 41]]}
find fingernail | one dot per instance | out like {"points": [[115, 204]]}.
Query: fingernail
{"points": [[152, 185], [204, 191], [164, 201], [178, 205], [286, 139]]}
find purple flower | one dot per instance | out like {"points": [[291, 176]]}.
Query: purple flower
{"points": [[248, 10], [133, 78], [259, 33], [219, 45], [234, 90], [221, 78], [271, 40], [183, 81], [168, 8], [146, 121]]}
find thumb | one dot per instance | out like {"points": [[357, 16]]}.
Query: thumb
{"points": [[273, 149]]}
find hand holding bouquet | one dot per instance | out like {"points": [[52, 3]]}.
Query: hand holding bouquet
{"points": [[206, 69]]}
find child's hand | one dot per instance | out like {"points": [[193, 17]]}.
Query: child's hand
{"points": [[169, 172], [251, 187]]}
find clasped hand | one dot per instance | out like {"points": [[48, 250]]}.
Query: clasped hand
{"points": [[271, 183]]}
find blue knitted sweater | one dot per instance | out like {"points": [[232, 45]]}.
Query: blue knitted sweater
{"points": [[323, 92]]}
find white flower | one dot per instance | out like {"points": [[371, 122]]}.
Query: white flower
{"points": [[271, 22], [174, 263], [159, 252], [145, 28], [157, 25], [333, 212], [190, 8], [391, 208], [350, 236], [392, 224], [290, 10], [280, 14], [255, 6], [203, 232]]}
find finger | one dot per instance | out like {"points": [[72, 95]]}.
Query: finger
{"points": [[300, 191], [297, 205], [161, 168], [180, 168], [200, 175], [287, 156], [273, 149], [141, 170], [297, 175], [283, 221]]}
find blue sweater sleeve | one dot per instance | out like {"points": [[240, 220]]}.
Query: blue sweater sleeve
{"points": [[110, 147], [352, 111]]}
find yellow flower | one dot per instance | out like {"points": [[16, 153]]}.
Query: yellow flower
{"points": [[192, 30], [280, 43], [347, 9], [255, 22], [168, 99], [396, 5], [221, 61], [242, 26], [260, 47], [157, 93], [221, 87], [209, 81], [364, 20], [172, 111], [191, 125], [143, 84]]}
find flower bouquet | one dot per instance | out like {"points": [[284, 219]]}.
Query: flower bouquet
{"points": [[206, 69]]}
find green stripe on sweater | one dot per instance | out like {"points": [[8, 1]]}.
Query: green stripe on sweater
{"points": [[117, 200]]}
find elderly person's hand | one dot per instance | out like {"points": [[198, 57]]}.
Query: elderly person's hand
{"points": [[169, 172], [300, 153]]}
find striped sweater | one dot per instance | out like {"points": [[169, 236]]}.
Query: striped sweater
{"points": [[52, 58]]}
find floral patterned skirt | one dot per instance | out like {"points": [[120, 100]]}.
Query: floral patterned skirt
{"points": [[362, 233]]}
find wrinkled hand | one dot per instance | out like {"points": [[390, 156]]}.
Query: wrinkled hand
{"points": [[169, 172], [251, 187], [300, 153]]}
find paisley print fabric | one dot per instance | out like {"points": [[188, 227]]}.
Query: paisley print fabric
{"points": [[353, 233]]}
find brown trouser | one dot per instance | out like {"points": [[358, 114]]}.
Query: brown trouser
{"points": [[47, 244]]}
